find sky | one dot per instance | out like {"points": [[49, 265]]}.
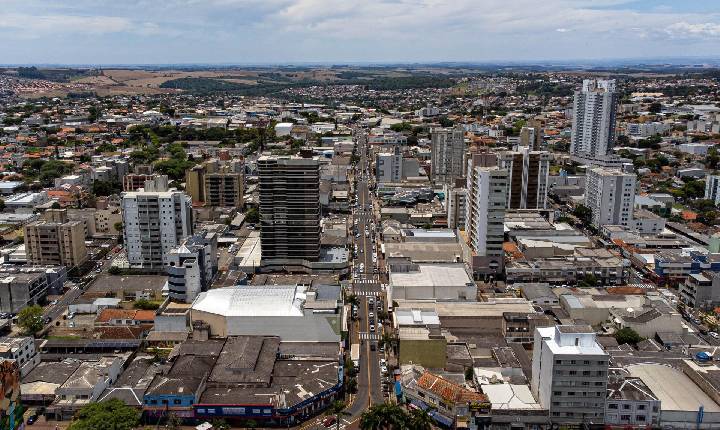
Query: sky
{"points": [[353, 31]]}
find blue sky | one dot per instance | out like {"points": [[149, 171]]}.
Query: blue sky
{"points": [[288, 31]]}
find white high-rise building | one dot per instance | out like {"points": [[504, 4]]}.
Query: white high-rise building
{"points": [[486, 200], [569, 374], [528, 178], [593, 127], [448, 154], [610, 195], [712, 188], [389, 166], [155, 220]]}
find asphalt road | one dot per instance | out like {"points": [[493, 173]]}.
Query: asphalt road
{"points": [[365, 286]]}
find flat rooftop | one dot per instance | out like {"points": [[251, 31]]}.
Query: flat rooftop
{"points": [[675, 390], [436, 275], [267, 300]]}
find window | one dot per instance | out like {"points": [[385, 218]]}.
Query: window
{"points": [[626, 406], [177, 401], [557, 393], [640, 418], [641, 407], [624, 417]]}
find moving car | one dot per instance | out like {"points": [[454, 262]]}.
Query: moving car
{"points": [[329, 421]]}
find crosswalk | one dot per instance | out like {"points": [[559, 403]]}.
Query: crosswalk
{"points": [[365, 281], [369, 336], [365, 293]]}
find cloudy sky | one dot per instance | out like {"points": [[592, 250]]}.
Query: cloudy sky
{"points": [[291, 31]]}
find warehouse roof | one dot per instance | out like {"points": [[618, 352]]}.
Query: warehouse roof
{"points": [[268, 300]]}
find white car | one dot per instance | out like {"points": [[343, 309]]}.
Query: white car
{"points": [[371, 315], [714, 334], [383, 369], [372, 328]]}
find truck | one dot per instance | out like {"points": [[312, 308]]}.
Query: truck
{"points": [[355, 354]]}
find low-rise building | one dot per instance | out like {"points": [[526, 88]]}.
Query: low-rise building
{"points": [[22, 350]]}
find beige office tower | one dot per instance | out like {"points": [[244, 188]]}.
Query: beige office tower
{"points": [[531, 135], [216, 183], [55, 243]]}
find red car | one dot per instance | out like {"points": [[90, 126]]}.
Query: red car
{"points": [[329, 421]]}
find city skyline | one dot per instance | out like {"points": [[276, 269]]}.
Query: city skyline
{"points": [[318, 31]]}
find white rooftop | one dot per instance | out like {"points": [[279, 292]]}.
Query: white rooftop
{"points": [[570, 342], [266, 300], [432, 275], [510, 396]]}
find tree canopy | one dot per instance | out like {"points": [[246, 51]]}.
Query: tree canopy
{"points": [[627, 335], [110, 414], [31, 319]]}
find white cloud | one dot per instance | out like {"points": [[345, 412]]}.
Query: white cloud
{"points": [[686, 29], [54, 24]]}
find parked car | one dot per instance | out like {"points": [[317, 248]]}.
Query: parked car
{"points": [[329, 421]]}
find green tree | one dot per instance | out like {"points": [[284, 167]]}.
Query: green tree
{"points": [[111, 414], [419, 420], [145, 305], [114, 270], [221, 424], [252, 216], [105, 188], [337, 409], [2, 205], [583, 213], [627, 335], [384, 416], [31, 319], [469, 374], [655, 108], [174, 422], [352, 299], [588, 281]]}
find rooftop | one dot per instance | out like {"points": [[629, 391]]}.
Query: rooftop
{"points": [[267, 300]]}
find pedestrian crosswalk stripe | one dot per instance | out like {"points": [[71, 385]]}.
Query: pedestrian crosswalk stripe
{"points": [[369, 336], [367, 293]]}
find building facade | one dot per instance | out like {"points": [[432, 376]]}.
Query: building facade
{"points": [[155, 219], [389, 166], [527, 178], [55, 243], [289, 210], [570, 374], [593, 127], [712, 188], [448, 154], [486, 200], [610, 195]]}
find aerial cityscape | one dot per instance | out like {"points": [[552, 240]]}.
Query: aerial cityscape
{"points": [[380, 215]]}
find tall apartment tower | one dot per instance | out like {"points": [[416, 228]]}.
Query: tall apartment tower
{"points": [[712, 188], [569, 374], [155, 220], [389, 166], [191, 267], [531, 135], [527, 178], [448, 154], [486, 199], [289, 210], [216, 183], [610, 195], [593, 127], [56, 242]]}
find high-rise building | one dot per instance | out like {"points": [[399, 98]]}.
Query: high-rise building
{"points": [[389, 166], [527, 178], [289, 210], [456, 207], [593, 127], [712, 188], [216, 183], [224, 183], [610, 195], [486, 200], [191, 267], [195, 184], [155, 220], [448, 154], [56, 241], [570, 374], [531, 135]]}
